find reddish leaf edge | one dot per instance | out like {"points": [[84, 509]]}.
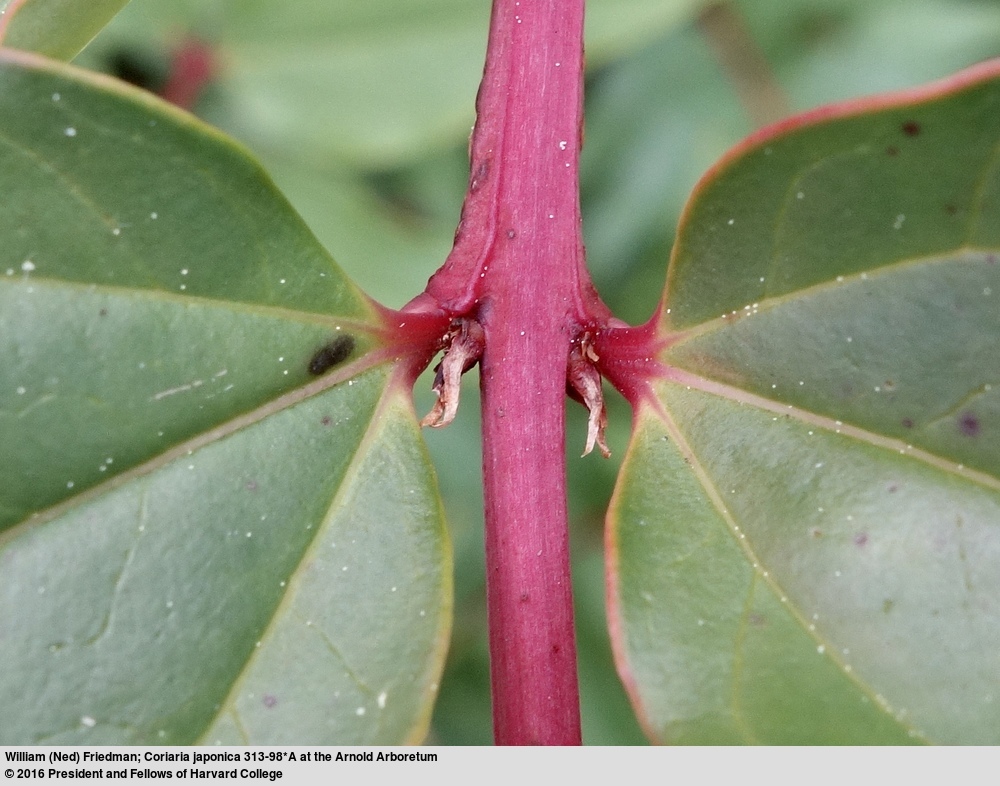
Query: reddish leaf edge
{"points": [[629, 354]]}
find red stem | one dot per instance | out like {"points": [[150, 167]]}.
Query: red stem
{"points": [[530, 107], [518, 268]]}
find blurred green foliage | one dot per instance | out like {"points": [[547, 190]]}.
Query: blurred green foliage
{"points": [[360, 109]]}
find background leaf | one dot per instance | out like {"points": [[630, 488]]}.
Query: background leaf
{"points": [[202, 540], [57, 28], [806, 532], [375, 83]]}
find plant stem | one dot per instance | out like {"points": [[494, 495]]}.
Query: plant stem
{"points": [[518, 269], [533, 77]]}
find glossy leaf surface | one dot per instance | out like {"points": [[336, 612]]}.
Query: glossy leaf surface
{"points": [[202, 540], [805, 538], [57, 28]]}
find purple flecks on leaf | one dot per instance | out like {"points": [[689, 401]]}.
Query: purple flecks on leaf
{"points": [[907, 422], [911, 128], [861, 539], [269, 700], [969, 425]]}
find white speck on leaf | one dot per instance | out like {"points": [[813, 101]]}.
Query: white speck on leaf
{"points": [[381, 700], [899, 221], [27, 266], [70, 131]]}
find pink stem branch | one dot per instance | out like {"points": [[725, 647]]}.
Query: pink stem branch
{"points": [[518, 269]]}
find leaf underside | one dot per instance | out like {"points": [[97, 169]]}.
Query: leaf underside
{"points": [[201, 540], [805, 538]]}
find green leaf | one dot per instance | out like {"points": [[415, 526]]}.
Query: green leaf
{"points": [[57, 28], [805, 542], [203, 539]]}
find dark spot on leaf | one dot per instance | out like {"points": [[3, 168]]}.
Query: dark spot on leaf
{"points": [[950, 210], [968, 423], [861, 539], [887, 605], [269, 700], [333, 354], [892, 488], [757, 620], [817, 532], [907, 422], [892, 150], [888, 385], [326, 420], [911, 128], [103, 312]]}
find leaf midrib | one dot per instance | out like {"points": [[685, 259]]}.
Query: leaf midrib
{"points": [[196, 442], [716, 499], [713, 387], [228, 705], [151, 294], [945, 256]]}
